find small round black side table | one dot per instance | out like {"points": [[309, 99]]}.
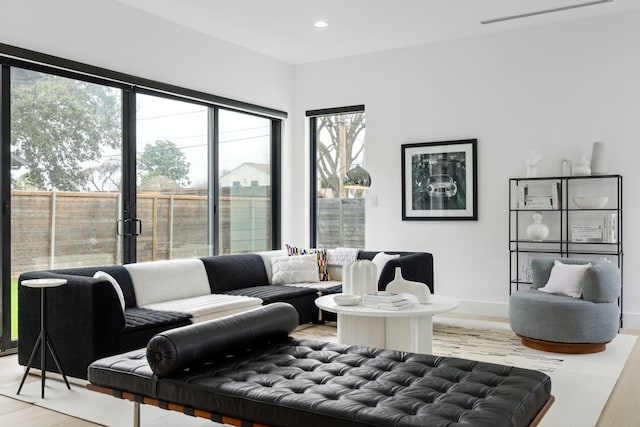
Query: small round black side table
{"points": [[43, 340]]}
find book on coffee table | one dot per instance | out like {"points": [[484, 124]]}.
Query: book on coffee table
{"points": [[381, 296], [396, 305]]}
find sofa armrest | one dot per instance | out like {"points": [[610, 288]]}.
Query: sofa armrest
{"points": [[601, 283], [416, 267], [85, 313]]}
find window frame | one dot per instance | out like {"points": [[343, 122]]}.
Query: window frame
{"points": [[313, 169]]}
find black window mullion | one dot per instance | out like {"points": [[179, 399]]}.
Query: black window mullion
{"points": [[214, 186], [5, 180], [128, 190], [313, 123], [276, 208]]}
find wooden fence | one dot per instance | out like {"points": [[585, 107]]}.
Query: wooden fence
{"points": [[340, 223], [60, 229]]}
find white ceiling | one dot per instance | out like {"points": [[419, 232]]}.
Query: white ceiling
{"points": [[283, 29]]}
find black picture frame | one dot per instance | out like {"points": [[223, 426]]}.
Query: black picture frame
{"points": [[440, 181]]}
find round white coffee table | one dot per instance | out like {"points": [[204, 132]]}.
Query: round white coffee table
{"points": [[405, 330]]}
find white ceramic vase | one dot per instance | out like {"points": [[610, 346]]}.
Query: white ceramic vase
{"points": [[598, 159], [537, 230], [400, 285], [581, 167], [359, 278]]}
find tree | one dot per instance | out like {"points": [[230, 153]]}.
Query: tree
{"points": [[59, 124], [339, 148], [163, 159], [105, 176]]}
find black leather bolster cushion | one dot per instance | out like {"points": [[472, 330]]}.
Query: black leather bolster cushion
{"points": [[193, 345]]}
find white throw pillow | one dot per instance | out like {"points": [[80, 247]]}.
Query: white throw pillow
{"points": [[114, 283], [566, 279], [342, 256], [294, 269], [381, 259]]}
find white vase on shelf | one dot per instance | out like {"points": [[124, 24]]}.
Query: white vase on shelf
{"points": [[598, 159], [581, 167], [537, 231]]}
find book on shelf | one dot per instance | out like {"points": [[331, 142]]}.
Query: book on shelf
{"points": [[526, 275], [525, 200], [555, 195], [538, 202], [522, 190], [610, 228], [402, 304], [586, 233], [381, 296]]}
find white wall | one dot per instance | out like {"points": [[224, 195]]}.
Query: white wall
{"points": [[555, 89]]}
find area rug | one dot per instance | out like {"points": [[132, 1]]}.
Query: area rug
{"points": [[594, 376]]}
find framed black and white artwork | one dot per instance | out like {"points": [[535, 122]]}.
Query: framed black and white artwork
{"points": [[440, 180]]}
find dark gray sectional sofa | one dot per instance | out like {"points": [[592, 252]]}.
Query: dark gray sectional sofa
{"points": [[86, 321]]}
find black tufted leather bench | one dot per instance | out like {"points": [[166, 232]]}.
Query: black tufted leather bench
{"points": [[264, 376]]}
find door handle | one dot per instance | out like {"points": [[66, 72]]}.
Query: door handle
{"points": [[121, 224], [138, 227]]}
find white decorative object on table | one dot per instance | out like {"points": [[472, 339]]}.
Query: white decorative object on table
{"points": [[343, 299], [581, 167], [359, 277], [598, 159], [537, 230], [400, 285], [531, 160], [381, 259]]}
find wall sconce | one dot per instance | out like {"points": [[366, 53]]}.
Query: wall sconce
{"points": [[357, 178]]}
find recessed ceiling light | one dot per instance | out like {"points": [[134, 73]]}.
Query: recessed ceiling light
{"points": [[321, 24]]}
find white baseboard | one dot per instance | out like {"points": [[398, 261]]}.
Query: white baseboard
{"points": [[483, 308], [631, 320]]}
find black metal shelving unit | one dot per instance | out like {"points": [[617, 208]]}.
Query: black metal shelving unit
{"points": [[561, 217]]}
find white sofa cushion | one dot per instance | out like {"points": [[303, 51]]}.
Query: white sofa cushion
{"points": [[207, 307], [320, 286], [158, 281]]}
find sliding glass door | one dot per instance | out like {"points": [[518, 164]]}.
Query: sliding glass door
{"points": [[98, 172], [65, 173], [245, 183], [172, 179]]}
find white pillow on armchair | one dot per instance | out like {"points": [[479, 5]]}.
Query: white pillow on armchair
{"points": [[566, 279]]}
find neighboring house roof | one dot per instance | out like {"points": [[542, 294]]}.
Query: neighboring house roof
{"points": [[246, 174], [262, 167], [17, 162]]}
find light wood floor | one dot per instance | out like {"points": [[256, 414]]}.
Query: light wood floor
{"points": [[621, 410]]}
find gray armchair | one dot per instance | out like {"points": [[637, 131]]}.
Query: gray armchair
{"points": [[563, 324]]}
